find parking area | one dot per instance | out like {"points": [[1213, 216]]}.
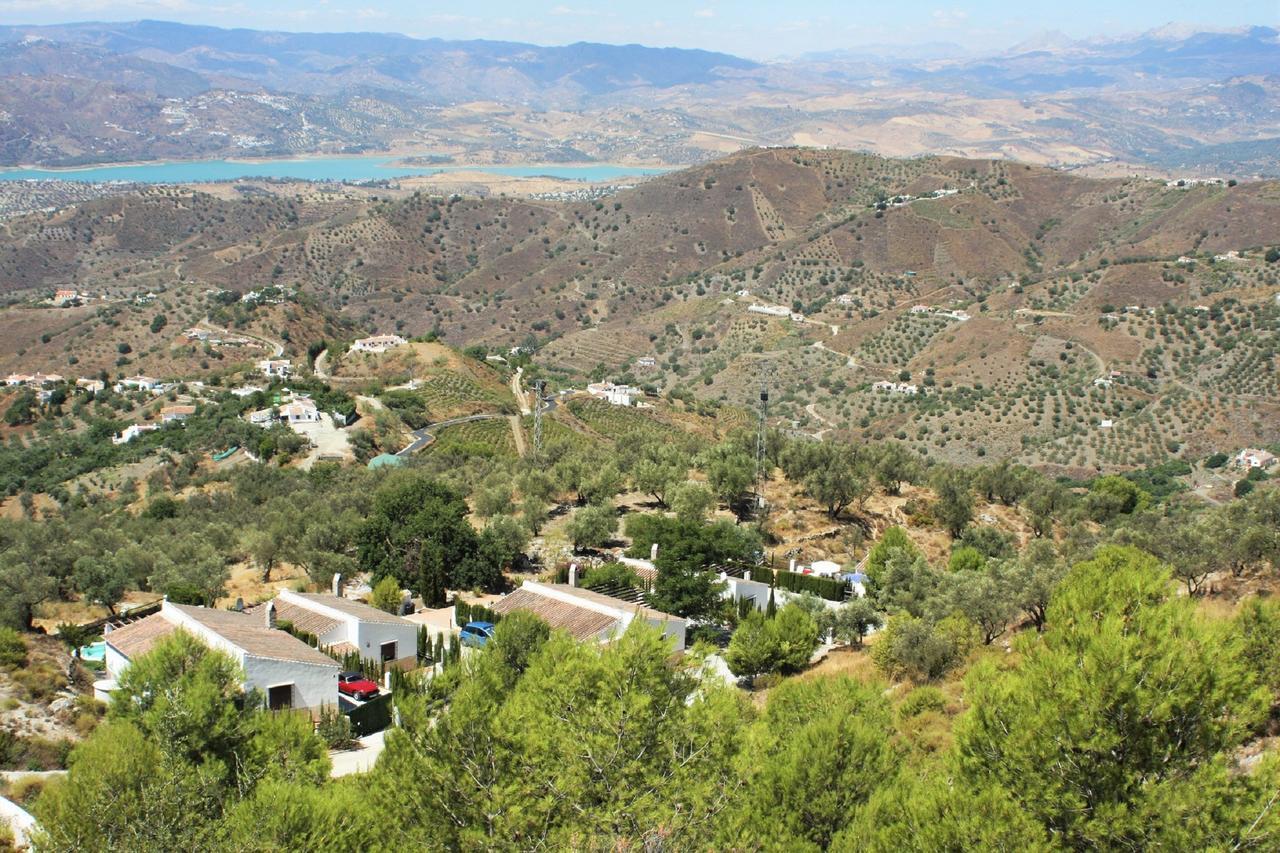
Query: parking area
{"points": [[327, 439]]}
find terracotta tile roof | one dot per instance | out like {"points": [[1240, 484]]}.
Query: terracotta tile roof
{"points": [[251, 634], [610, 601], [137, 638], [580, 622], [302, 618], [358, 609]]}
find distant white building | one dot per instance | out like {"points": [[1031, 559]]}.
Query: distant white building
{"points": [[378, 343], [1253, 458], [263, 417], [138, 383], [247, 390], [277, 367], [301, 411], [585, 614], [646, 361], [91, 386], [132, 431], [618, 395], [289, 673], [770, 310], [171, 414], [896, 388]]}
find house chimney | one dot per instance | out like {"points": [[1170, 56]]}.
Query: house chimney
{"points": [[791, 566], [271, 614], [337, 584], [573, 574], [653, 551], [239, 605]]}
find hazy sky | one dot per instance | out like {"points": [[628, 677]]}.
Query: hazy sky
{"points": [[752, 28]]}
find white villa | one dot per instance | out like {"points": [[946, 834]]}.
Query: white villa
{"points": [[343, 625], [138, 383], [288, 672], [585, 614], [301, 411], [275, 367], [378, 343], [1253, 458], [132, 431], [618, 395], [896, 387]]}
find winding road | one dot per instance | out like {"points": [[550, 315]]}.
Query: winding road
{"points": [[423, 437]]}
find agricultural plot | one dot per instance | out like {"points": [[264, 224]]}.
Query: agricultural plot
{"points": [[904, 339], [490, 438], [451, 395], [621, 423]]}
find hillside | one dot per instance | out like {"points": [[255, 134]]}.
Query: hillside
{"points": [[1197, 102], [1045, 304]]}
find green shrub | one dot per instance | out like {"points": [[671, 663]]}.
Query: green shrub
{"points": [[13, 649], [920, 700], [334, 728]]}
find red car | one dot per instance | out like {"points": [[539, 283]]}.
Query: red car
{"points": [[355, 685]]}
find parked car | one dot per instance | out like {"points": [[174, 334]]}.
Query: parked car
{"points": [[476, 634], [355, 685]]}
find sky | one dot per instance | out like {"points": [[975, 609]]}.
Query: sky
{"points": [[751, 28]]}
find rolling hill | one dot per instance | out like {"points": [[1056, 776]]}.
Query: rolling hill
{"points": [[1063, 320]]}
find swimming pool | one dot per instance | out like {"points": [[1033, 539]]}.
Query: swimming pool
{"points": [[94, 651]]}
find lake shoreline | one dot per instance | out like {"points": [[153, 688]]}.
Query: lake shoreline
{"points": [[347, 168]]}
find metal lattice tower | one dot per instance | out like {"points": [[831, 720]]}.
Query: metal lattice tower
{"points": [[539, 387]]}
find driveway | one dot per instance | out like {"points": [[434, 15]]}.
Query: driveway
{"points": [[328, 440], [348, 761]]}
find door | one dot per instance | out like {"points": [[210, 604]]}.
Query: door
{"points": [[388, 651]]}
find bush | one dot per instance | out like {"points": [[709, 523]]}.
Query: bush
{"points": [[920, 700], [13, 649], [921, 650], [832, 590], [334, 728], [611, 575]]}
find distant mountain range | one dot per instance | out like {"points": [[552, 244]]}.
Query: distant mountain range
{"points": [[96, 92]]}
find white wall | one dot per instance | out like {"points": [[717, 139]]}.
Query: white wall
{"points": [[371, 635], [736, 588], [314, 685]]}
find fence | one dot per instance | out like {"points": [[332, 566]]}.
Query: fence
{"points": [[372, 716]]}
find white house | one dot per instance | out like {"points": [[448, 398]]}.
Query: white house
{"points": [[896, 387], [289, 673], [1254, 458], [378, 343], [280, 367], [132, 431], [618, 395], [263, 417], [301, 411], [343, 625], [91, 386], [770, 310], [172, 414], [137, 383], [585, 614]]}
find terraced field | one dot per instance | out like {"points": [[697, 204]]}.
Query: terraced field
{"points": [[903, 340], [620, 423], [451, 395], [491, 438]]}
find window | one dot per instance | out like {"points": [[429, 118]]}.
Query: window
{"points": [[280, 697], [388, 651]]}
